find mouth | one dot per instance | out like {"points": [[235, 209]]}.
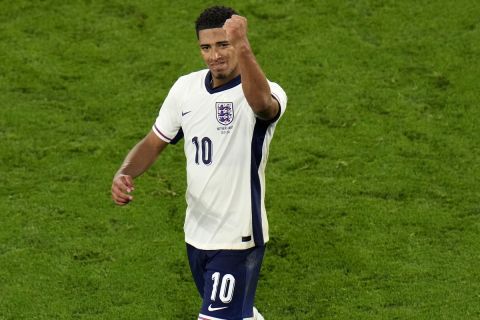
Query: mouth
{"points": [[218, 65]]}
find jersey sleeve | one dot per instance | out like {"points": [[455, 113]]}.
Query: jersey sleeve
{"points": [[167, 126], [279, 95]]}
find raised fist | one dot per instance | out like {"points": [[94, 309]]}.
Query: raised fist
{"points": [[236, 29]]}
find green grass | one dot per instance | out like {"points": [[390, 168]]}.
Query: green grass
{"points": [[372, 182]]}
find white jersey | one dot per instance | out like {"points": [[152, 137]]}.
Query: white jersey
{"points": [[226, 147]]}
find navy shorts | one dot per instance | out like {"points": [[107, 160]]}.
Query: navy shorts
{"points": [[226, 280]]}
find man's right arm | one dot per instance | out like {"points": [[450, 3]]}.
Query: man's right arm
{"points": [[138, 160]]}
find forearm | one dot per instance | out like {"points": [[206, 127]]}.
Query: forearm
{"points": [[254, 83], [142, 156]]}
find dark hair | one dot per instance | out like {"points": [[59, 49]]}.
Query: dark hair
{"points": [[213, 17]]}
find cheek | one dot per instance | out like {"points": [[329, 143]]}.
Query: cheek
{"points": [[232, 60], [204, 56]]}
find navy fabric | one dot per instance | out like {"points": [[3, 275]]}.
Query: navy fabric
{"points": [[258, 138], [178, 137], [243, 265], [232, 83]]}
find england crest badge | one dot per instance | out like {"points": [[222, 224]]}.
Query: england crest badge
{"points": [[224, 112]]}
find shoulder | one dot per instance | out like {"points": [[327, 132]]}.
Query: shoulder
{"points": [[186, 82], [192, 77], [279, 94], [276, 87]]}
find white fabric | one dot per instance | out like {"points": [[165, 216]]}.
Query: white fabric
{"points": [[257, 315], [205, 317], [219, 209]]}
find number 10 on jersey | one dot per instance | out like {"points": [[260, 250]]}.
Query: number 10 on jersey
{"points": [[203, 150]]}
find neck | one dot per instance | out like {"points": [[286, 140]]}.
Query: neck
{"points": [[217, 82]]}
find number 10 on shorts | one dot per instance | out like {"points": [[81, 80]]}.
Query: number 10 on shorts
{"points": [[226, 288]]}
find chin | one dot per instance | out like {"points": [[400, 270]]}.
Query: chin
{"points": [[219, 75]]}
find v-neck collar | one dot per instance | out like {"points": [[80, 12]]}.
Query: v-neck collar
{"points": [[230, 84]]}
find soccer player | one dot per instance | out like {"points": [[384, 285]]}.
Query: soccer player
{"points": [[227, 114]]}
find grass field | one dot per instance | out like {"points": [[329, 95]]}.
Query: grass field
{"points": [[372, 183]]}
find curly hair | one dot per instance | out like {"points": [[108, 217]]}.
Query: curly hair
{"points": [[213, 17]]}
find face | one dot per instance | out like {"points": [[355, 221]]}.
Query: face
{"points": [[218, 54]]}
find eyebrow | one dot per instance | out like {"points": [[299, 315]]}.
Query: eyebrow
{"points": [[217, 43]]}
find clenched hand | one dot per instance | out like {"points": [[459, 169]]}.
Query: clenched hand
{"points": [[122, 186]]}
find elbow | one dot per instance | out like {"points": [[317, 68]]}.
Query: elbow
{"points": [[261, 105], [265, 109]]}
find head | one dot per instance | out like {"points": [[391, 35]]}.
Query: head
{"points": [[215, 49]]}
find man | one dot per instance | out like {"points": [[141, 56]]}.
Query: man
{"points": [[227, 115]]}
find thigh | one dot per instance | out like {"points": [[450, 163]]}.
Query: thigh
{"points": [[230, 283], [197, 260]]}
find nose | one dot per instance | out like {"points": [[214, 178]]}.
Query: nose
{"points": [[215, 54]]}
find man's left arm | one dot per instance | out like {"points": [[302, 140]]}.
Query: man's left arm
{"points": [[254, 83]]}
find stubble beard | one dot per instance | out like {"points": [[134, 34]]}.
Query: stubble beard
{"points": [[219, 76]]}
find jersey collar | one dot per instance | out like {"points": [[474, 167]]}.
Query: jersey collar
{"points": [[232, 83]]}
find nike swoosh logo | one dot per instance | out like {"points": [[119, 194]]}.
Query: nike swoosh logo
{"points": [[210, 308], [185, 113]]}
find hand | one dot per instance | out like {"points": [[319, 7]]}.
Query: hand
{"points": [[236, 29], [122, 185]]}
